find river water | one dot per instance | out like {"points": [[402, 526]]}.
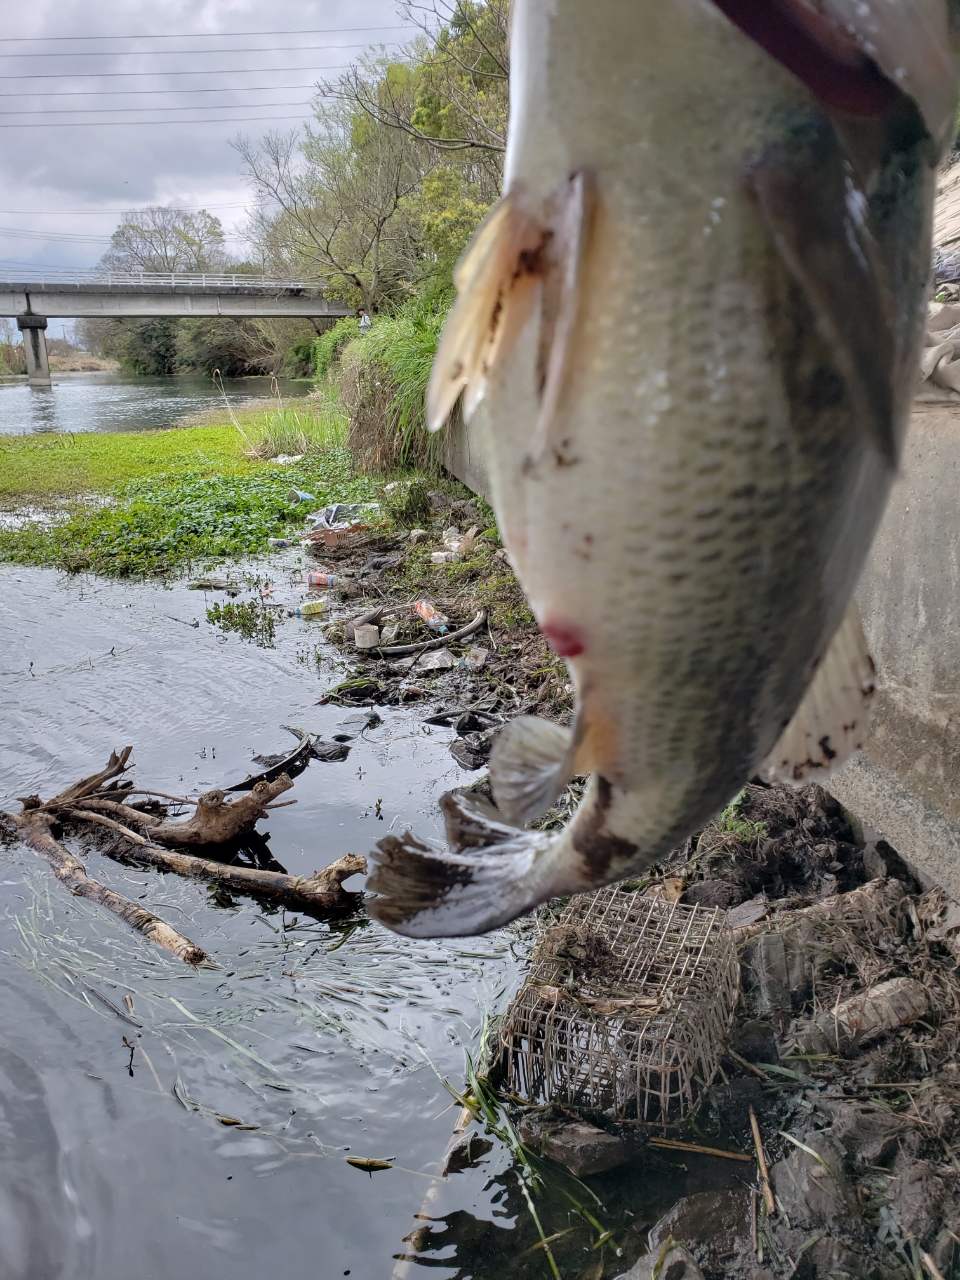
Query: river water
{"points": [[333, 1038], [121, 402]]}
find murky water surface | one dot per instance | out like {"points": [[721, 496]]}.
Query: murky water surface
{"points": [[119, 401], [330, 1037]]}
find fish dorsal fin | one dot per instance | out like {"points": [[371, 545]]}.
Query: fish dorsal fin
{"points": [[528, 767], [493, 297], [832, 720]]}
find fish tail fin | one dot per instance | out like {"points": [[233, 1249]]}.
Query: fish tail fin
{"points": [[529, 766], [492, 874], [831, 722]]}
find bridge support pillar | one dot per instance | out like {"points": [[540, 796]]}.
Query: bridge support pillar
{"points": [[35, 345]]}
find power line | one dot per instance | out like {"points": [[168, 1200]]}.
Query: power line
{"points": [[21, 233], [117, 93], [207, 71], [219, 106], [142, 124], [205, 35], [113, 213], [178, 53]]}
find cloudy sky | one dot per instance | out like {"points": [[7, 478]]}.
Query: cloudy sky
{"points": [[114, 104]]}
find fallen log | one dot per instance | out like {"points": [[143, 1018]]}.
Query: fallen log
{"points": [[323, 891], [35, 827]]}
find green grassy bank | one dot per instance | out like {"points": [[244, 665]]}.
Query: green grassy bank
{"points": [[137, 503]]}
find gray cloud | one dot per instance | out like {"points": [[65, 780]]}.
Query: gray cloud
{"points": [[74, 176]]}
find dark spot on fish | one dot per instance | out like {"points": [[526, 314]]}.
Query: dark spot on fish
{"points": [[826, 748], [597, 847], [562, 459], [566, 641], [588, 537]]}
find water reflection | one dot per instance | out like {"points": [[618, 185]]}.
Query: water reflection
{"points": [[120, 402]]}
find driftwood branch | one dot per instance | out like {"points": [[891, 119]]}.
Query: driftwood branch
{"points": [[70, 871], [216, 819], [322, 891]]}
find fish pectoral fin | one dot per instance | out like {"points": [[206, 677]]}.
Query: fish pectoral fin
{"points": [[832, 720], [529, 765], [428, 893], [494, 297], [566, 248]]}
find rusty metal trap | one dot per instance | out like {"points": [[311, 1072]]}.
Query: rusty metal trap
{"points": [[625, 1009]]}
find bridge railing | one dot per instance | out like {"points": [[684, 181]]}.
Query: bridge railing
{"points": [[57, 278]]}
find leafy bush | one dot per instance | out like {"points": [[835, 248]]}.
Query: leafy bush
{"points": [[328, 345], [383, 384]]}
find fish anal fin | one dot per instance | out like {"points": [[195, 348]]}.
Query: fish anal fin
{"points": [[831, 722], [503, 252], [529, 766]]}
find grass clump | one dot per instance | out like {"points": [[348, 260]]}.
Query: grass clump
{"points": [[731, 821], [317, 425]]}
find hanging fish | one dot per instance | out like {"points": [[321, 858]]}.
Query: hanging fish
{"points": [[687, 338]]}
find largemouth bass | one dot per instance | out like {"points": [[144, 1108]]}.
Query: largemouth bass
{"points": [[688, 339]]}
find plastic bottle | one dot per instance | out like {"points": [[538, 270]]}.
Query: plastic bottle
{"points": [[323, 579], [431, 616], [310, 609], [278, 543]]}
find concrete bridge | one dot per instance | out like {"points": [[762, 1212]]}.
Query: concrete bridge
{"points": [[77, 294]]}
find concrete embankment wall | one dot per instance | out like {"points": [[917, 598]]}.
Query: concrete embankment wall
{"points": [[906, 782]]}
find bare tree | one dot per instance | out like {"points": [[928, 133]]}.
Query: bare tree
{"points": [[333, 201], [160, 239]]}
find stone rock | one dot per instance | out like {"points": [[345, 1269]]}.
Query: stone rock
{"points": [[747, 913], [814, 1190], [466, 1153], [471, 751], [718, 1222], [477, 658], [580, 1148], [678, 1264], [881, 859], [713, 893]]}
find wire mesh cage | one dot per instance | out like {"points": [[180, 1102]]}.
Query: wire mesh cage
{"points": [[625, 1009]]}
